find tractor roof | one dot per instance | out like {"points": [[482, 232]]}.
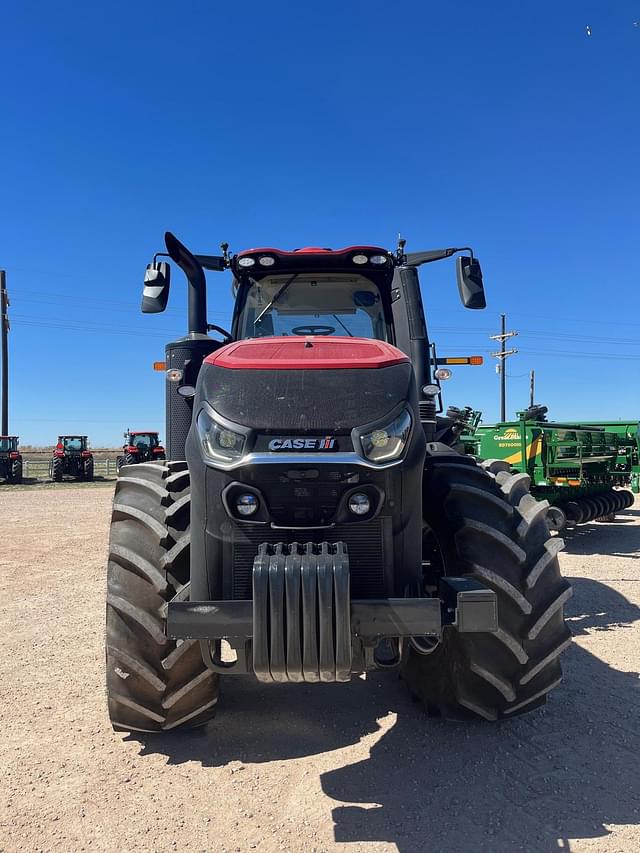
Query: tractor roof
{"points": [[273, 261], [8, 436], [316, 250], [144, 432], [72, 435]]}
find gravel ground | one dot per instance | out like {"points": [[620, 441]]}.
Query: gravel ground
{"points": [[354, 767]]}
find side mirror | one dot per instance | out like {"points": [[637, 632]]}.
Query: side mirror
{"points": [[156, 287], [470, 284]]}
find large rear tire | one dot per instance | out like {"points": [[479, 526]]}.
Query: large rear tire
{"points": [[153, 683], [56, 469], [481, 521]]}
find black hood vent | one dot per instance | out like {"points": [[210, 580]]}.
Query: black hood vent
{"points": [[332, 400]]}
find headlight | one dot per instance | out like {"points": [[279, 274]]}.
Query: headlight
{"points": [[218, 441], [359, 504], [247, 504], [386, 443]]}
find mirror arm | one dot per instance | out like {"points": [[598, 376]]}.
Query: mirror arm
{"points": [[216, 263], [416, 259]]}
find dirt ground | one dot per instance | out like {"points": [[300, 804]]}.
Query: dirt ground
{"points": [[354, 767]]}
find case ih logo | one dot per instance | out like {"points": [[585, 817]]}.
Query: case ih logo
{"points": [[326, 443]]}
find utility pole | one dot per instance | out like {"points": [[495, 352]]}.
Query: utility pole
{"points": [[4, 332], [532, 387], [501, 367]]}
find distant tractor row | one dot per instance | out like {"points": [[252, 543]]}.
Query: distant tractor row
{"points": [[72, 457]]}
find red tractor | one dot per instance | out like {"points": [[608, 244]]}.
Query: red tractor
{"points": [[71, 458], [140, 447], [10, 459]]}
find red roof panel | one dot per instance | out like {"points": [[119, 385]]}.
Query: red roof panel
{"points": [[306, 353]]}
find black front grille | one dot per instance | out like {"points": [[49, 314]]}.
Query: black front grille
{"points": [[365, 545], [302, 502], [305, 495]]}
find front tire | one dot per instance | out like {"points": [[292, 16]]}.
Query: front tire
{"points": [[481, 521], [153, 683]]}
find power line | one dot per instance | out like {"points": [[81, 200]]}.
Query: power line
{"points": [[532, 333], [97, 330], [48, 297], [580, 320], [609, 356]]}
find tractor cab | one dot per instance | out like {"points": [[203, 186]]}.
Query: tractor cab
{"points": [[71, 457], [140, 446], [8, 443], [143, 440], [313, 292], [10, 459], [72, 443], [355, 292]]}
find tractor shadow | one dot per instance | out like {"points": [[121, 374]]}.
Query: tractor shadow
{"points": [[31, 483], [619, 538], [532, 783]]}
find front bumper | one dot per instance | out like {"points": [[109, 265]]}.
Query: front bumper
{"points": [[302, 624]]}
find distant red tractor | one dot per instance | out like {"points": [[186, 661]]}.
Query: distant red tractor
{"points": [[140, 447], [10, 459], [72, 458]]}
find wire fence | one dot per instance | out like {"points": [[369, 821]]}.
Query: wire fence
{"points": [[38, 469]]}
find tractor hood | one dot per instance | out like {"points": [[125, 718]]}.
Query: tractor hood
{"points": [[306, 383]]}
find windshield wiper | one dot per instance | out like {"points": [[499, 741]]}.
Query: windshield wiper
{"points": [[335, 317], [275, 298]]}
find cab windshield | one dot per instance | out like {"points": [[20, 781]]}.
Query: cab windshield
{"points": [[340, 305], [72, 442], [144, 440], [6, 444]]}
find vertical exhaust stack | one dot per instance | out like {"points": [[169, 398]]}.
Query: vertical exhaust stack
{"points": [[184, 357]]}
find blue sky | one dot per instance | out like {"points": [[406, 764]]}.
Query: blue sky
{"points": [[501, 125]]}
